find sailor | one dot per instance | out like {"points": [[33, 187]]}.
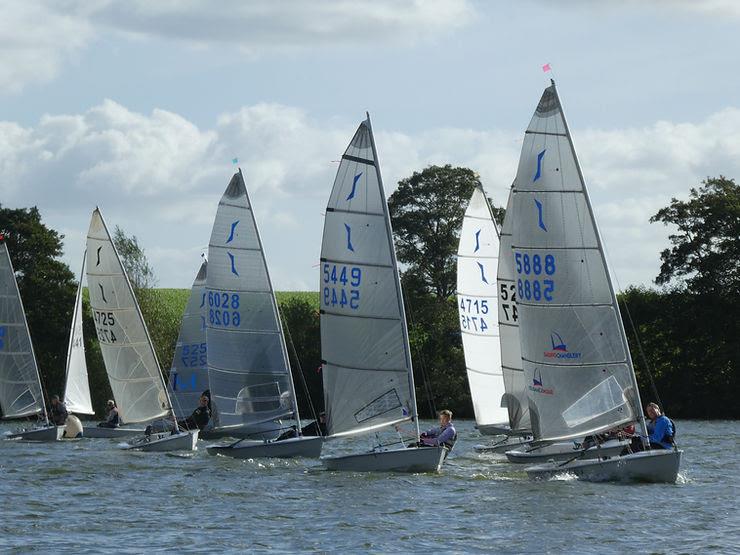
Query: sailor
{"points": [[113, 419], [660, 427], [444, 435], [200, 417], [58, 412]]}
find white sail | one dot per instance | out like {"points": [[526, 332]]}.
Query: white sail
{"points": [[189, 371], [130, 360], [516, 400], [367, 374], [248, 368], [20, 385], [576, 361], [77, 388], [477, 304]]}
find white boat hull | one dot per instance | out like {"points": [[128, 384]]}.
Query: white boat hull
{"points": [[565, 451], [49, 433], [165, 442], [306, 447], [412, 459], [110, 433], [658, 466], [503, 446]]}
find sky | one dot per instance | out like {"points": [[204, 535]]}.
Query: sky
{"points": [[139, 107]]}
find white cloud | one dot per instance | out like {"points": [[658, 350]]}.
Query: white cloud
{"points": [[38, 37], [160, 177]]}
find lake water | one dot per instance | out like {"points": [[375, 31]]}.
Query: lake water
{"points": [[89, 496]]}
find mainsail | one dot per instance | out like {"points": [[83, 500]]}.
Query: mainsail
{"points": [[189, 371], [20, 385], [368, 379], [248, 368], [477, 258], [516, 400], [77, 389], [577, 365], [130, 360]]}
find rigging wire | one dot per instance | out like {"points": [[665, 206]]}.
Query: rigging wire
{"points": [[420, 355]]}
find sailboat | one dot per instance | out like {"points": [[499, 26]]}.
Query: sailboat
{"points": [[367, 372], [477, 304], [248, 369], [188, 377], [130, 361], [21, 394], [577, 364]]}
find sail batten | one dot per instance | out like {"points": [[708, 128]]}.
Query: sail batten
{"points": [[367, 373], [130, 360], [21, 393], [248, 370], [576, 361]]}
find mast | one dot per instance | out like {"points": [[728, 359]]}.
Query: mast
{"points": [[399, 294], [277, 312], [615, 304]]}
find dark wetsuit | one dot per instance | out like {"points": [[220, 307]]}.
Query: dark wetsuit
{"points": [[315, 428], [199, 419], [113, 420], [58, 414]]}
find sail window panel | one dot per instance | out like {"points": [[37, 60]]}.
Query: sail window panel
{"points": [[561, 276], [571, 335], [547, 164], [572, 393], [477, 277], [234, 228], [18, 400], [377, 344], [236, 270], [243, 353], [357, 399], [240, 397], [558, 220], [356, 239], [356, 188], [358, 290], [515, 399]]}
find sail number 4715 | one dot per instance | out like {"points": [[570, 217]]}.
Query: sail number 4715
{"points": [[341, 285], [531, 286]]}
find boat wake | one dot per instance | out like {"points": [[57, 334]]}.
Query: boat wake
{"points": [[563, 477]]}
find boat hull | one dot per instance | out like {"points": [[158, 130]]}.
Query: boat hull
{"points": [[565, 451], [658, 466], [49, 433], [412, 459], [502, 446], [264, 432], [96, 432], [166, 442], [493, 429], [305, 447]]}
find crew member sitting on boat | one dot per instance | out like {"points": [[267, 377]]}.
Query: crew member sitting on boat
{"points": [[200, 417], [58, 413], [112, 418], [444, 435], [660, 427]]}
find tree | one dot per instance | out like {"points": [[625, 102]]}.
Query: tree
{"points": [[706, 248], [134, 260], [47, 287], [427, 211]]}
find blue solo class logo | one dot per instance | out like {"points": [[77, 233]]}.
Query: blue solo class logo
{"points": [[2, 337], [559, 348], [537, 384]]}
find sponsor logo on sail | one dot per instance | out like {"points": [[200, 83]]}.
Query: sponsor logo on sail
{"points": [[537, 384], [559, 348]]}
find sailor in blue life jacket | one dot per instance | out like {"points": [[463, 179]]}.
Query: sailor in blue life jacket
{"points": [[444, 435], [661, 430], [112, 418]]}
